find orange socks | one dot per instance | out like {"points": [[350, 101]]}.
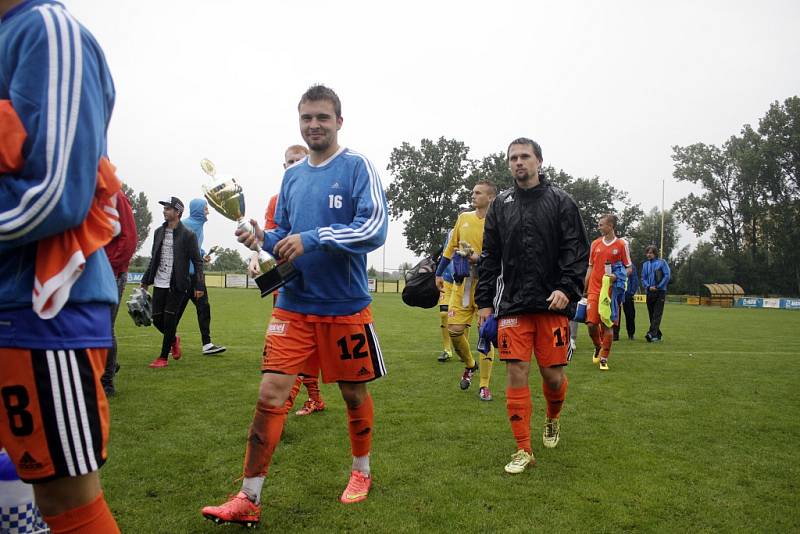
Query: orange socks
{"points": [[92, 518], [555, 398], [607, 338], [264, 435], [359, 423], [519, 406], [312, 385], [293, 394]]}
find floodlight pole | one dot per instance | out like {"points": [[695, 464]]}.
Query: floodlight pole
{"points": [[661, 247]]}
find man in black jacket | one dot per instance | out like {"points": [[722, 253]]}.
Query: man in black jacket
{"points": [[174, 246], [531, 274]]}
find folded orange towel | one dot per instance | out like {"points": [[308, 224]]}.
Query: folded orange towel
{"points": [[60, 258]]}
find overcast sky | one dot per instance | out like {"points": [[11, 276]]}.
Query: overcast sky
{"points": [[607, 88]]}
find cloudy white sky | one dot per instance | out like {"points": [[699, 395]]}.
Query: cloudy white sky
{"points": [[607, 88]]}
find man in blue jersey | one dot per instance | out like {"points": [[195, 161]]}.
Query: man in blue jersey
{"points": [[57, 212], [655, 278], [330, 213]]}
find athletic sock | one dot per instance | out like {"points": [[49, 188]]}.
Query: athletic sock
{"points": [[461, 346], [447, 346], [251, 486], [262, 438], [606, 339], [555, 398], [293, 394], [87, 519], [519, 407], [596, 334], [359, 425], [361, 464], [486, 361], [312, 385]]}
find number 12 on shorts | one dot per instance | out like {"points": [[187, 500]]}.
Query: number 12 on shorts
{"points": [[357, 343]]}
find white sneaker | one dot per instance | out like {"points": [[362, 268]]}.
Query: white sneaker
{"points": [[210, 348], [519, 461]]}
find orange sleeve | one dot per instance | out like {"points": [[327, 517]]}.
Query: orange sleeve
{"points": [[591, 252], [269, 216], [12, 137]]}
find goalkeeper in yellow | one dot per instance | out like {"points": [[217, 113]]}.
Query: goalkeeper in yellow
{"points": [[463, 250]]}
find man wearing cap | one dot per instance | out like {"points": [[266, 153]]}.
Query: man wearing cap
{"points": [[174, 246]]}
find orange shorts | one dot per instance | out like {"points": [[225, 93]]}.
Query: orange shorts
{"points": [[592, 310], [53, 412], [344, 347], [543, 335]]}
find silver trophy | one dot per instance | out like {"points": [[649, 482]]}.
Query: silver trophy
{"points": [[224, 194]]}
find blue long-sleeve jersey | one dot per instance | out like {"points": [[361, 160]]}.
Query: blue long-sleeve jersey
{"points": [[55, 76], [650, 278], [339, 210], [195, 222]]}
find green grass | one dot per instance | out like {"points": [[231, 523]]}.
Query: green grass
{"points": [[699, 433]]}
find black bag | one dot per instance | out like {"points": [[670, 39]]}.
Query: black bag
{"points": [[421, 290]]}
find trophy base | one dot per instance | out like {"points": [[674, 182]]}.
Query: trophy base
{"points": [[275, 278]]}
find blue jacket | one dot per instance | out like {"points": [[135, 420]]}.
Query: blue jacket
{"points": [[339, 210], [65, 116], [195, 222], [633, 282], [618, 288], [650, 270]]}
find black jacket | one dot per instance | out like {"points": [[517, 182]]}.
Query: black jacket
{"points": [[184, 250], [534, 242]]}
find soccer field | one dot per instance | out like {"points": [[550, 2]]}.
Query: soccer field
{"points": [[698, 433]]}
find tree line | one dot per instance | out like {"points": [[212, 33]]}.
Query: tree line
{"points": [[746, 213]]}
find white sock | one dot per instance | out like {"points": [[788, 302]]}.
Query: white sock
{"points": [[361, 464], [252, 487]]}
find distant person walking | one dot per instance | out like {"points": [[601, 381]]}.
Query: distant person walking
{"points": [[198, 215], [173, 248], [655, 278]]}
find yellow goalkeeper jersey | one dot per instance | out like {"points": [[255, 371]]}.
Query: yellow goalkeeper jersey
{"points": [[469, 228]]}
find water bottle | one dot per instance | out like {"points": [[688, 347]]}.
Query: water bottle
{"points": [[18, 512]]}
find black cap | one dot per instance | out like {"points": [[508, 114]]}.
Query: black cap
{"points": [[173, 202]]}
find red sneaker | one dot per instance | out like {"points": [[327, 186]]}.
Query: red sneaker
{"points": [[158, 363], [239, 509], [310, 406], [175, 350], [357, 489]]}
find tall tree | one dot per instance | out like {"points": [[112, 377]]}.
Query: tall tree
{"points": [[141, 214], [780, 131], [716, 208], [595, 198], [648, 232], [228, 260], [427, 189], [494, 168]]}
